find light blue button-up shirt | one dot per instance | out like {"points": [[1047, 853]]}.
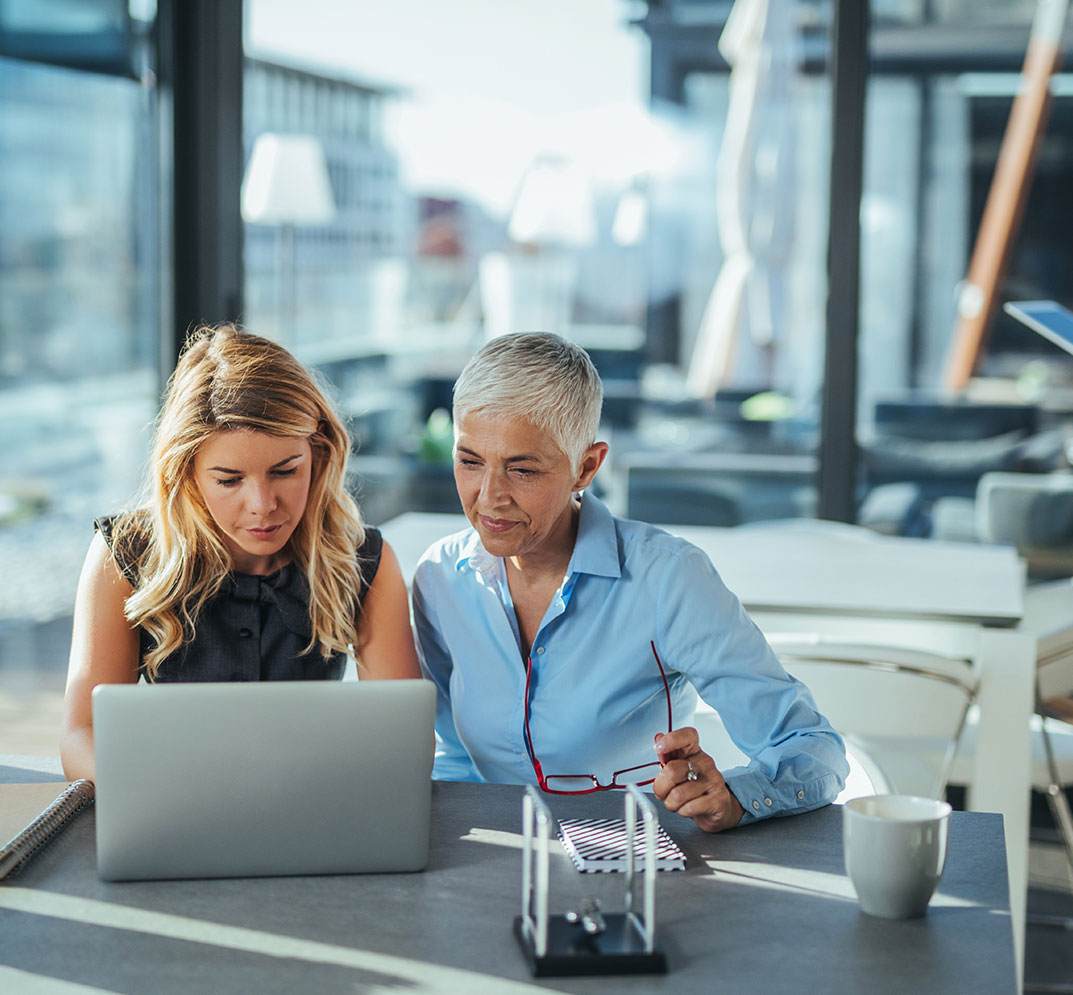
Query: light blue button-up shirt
{"points": [[597, 699]]}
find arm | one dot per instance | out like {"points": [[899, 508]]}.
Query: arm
{"points": [[104, 650], [387, 644], [797, 761], [453, 763]]}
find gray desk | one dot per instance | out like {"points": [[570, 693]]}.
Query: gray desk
{"points": [[761, 908]]}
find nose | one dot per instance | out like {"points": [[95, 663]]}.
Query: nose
{"points": [[261, 497], [493, 489]]}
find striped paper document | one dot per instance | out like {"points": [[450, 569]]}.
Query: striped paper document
{"points": [[600, 845]]}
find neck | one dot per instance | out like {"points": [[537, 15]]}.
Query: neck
{"points": [[553, 557], [260, 566]]}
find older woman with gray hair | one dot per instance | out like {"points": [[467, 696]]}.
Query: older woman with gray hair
{"points": [[568, 646]]}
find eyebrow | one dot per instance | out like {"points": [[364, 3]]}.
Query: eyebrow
{"points": [[275, 466], [510, 459]]}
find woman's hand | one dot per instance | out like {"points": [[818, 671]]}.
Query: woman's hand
{"points": [[690, 783]]}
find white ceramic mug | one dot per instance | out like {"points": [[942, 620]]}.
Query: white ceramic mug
{"points": [[895, 848]]}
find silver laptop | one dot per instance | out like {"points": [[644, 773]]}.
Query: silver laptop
{"points": [[273, 778]]}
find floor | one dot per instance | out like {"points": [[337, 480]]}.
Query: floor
{"points": [[30, 709]]}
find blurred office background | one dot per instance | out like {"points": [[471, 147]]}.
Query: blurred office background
{"points": [[382, 186]]}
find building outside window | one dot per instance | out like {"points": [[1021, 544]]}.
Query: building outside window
{"points": [[80, 312]]}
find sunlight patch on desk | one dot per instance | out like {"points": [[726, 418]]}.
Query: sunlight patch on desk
{"points": [[794, 879], [28, 983], [421, 976], [495, 837]]}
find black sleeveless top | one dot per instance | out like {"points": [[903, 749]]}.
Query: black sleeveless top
{"points": [[256, 628]]}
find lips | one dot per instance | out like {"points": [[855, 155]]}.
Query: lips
{"points": [[264, 533], [497, 524]]}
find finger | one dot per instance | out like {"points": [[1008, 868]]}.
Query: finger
{"points": [[677, 772], [682, 794], [679, 789], [696, 766], [677, 743], [711, 812]]}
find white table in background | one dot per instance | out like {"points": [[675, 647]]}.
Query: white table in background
{"points": [[960, 599]]}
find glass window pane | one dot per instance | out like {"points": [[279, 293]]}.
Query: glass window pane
{"points": [[79, 324], [486, 193], [935, 126]]}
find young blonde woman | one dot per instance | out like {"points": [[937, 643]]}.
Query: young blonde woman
{"points": [[247, 560]]}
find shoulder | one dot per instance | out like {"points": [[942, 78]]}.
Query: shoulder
{"points": [[665, 565], [369, 554], [642, 543], [127, 538], [445, 555], [372, 546]]}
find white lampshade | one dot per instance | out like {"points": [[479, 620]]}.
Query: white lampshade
{"points": [[631, 218], [553, 206], [286, 182]]}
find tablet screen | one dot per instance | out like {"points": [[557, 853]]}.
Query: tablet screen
{"points": [[1048, 318]]}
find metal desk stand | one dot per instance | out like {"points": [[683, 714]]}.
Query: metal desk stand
{"points": [[584, 941]]}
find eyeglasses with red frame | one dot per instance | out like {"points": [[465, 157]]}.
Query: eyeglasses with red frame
{"points": [[585, 784]]}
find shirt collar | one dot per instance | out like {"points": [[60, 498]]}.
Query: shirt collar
{"points": [[595, 550], [473, 556]]}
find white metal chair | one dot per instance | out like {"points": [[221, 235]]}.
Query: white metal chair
{"points": [[1048, 609], [897, 704], [866, 776]]}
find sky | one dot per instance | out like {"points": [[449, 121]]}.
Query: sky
{"points": [[488, 84]]}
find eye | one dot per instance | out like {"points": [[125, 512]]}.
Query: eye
{"points": [[521, 471], [464, 461], [229, 481], [285, 473]]}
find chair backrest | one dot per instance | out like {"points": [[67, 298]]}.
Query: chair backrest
{"points": [[885, 694], [866, 776], [1026, 509]]}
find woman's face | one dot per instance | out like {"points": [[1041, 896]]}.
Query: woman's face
{"points": [[255, 487], [516, 485]]}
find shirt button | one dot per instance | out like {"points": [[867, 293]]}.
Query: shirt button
{"points": [[801, 794], [756, 805], [767, 801], [245, 633], [540, 651]]}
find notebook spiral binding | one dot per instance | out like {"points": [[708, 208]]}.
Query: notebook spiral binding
{"points": [[77, 796]]}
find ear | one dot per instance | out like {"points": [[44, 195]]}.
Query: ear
{"points": [[590, 463]]}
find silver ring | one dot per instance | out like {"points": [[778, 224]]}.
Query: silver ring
{"points": [[692, 775]]}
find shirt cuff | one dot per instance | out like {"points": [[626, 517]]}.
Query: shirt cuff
{"points": [[762, 798]]}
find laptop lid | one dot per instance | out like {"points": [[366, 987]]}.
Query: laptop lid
{"points": [[252, 779], [1047, 318]]}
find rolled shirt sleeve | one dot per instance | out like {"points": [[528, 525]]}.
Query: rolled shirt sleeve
{"points": [[797, 761]]}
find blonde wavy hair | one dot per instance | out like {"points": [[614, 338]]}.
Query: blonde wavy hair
{"points": [[228, 379]]}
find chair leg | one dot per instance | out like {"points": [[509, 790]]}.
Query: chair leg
{"points": [[1057, 800]]}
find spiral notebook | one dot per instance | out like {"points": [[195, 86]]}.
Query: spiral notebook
{"points": [[600, 845], [75, 798]]}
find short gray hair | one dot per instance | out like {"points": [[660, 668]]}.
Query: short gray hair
{"points": [[540, 378]]}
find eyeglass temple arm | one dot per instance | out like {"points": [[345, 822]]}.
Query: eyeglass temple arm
{"points": [[528, 736], [666, 686]]}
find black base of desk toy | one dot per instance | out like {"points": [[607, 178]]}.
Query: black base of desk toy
{"points": [[571, 951]]}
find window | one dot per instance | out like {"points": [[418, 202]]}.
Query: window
{"points": [[80, 319]]}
